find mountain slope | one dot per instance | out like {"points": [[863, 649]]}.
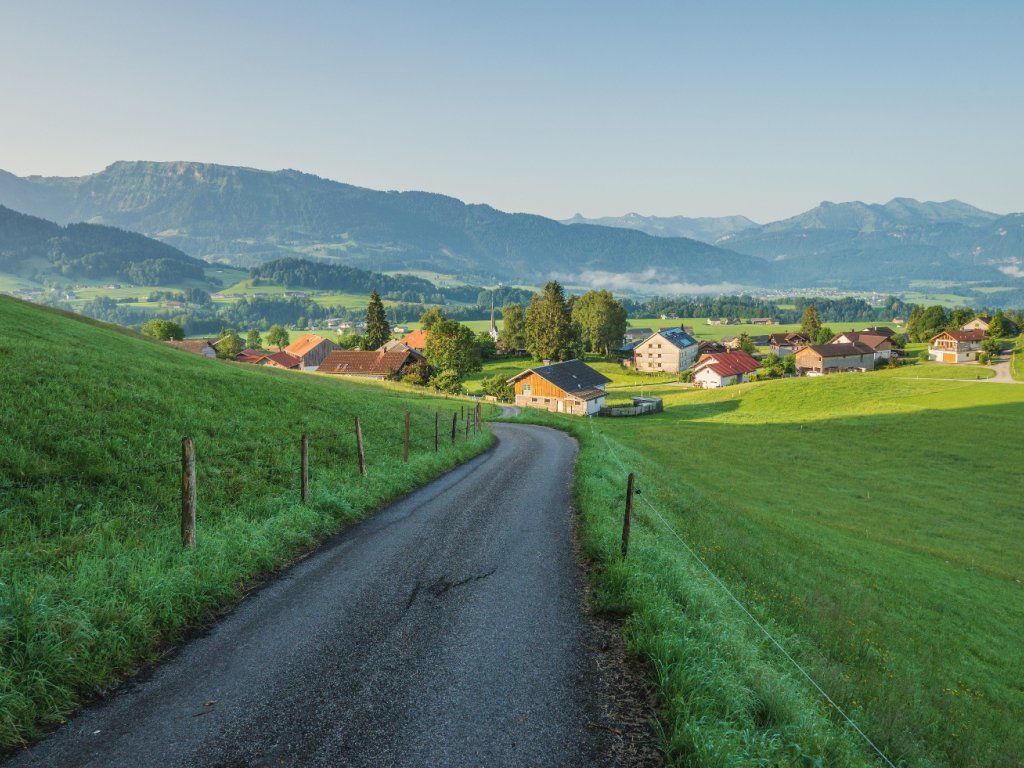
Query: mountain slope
{"points": [[704, 229], [37, 248], [247, 216]]}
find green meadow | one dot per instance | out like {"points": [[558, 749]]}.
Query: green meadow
{"points": [[873, 523], [93, 578]]}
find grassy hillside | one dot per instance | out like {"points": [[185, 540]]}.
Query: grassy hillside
{"points": [[93, 579], [873, 523]]}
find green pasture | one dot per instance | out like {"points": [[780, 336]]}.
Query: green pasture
{"points": [[964, 371], [873, 523], [93, 577], [1017, 359]]}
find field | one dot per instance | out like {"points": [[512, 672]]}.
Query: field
{"points": [[873, 523], [93, 578], [1017, 360]]}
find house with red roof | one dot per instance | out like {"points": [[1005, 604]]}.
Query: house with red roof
{"points": [[371, 364], [311, 350], [721, 369], [416, 340]]}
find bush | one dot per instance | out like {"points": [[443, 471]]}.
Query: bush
{"points": [[498, 387], [447, 381]]}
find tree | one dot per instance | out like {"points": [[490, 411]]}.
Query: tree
{"points": [[549, 333], [497, 386], [378, 329], [992, 345], [253, 340], [810, 323], [163, 330], [772, 366], [451, 347], [512, 335], [485, 344], [924, 323], [431, 317], [447, 381], [352, 341], [789, 364], [997, 326], [747, 344], [601, 320], [277, 336], [229, 345], [824, 335], [960, 317], [418, 374]]}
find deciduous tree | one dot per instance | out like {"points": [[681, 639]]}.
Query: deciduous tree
{"points": [[164, 330], [253, 340], [601, 320], [277, 336], [452, 347]]}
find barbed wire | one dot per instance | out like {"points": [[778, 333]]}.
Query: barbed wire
{"points": [[747, 612]]}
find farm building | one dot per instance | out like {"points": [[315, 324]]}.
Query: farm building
{"points": [[723, 368], [955, 346], [819, 359], [569, 387], [416, 340], [311, 350], [783, 344], [371, 364], [280, 360], [880, 344], [667, 351], [636, 334], [202, 347]]}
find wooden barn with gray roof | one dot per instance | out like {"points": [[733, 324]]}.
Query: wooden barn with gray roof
{"points": [[569, 387]]}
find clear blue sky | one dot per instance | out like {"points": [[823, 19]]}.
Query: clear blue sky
{"points": [[700, 109]]}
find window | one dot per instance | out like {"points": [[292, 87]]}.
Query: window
{"points": [[527, 389]]}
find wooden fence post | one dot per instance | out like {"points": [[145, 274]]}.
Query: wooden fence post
{"points": [[188, 493], [359, 448], [437, 430], [629, 511], [455, 418], [405, 452], [305, 468], [467, 429]]}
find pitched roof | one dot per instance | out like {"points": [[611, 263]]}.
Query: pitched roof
{"points": [[369, 363], [573, 377], [977, 335], [191, 345], [677, 337], [841, 350], [639, 332], [305, 343], [728, 363], [787, 338], [417, 339], [283, 359], [873, 340], [880, 330]]}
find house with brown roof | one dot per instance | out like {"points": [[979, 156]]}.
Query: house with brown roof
{"points": [[202, 347], [783, 344], [880, 343], [955, 346], [311, 350], [280, 360], [721, 369], [820, 359], [370, 364], [569, 387]]}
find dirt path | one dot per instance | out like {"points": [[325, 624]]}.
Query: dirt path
{"points": [[447, 630]]}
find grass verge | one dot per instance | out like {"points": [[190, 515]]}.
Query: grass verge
{"points": [[93, 579]]}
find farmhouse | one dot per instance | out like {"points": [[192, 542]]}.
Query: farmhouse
{"points": [[569, 387], [416, 340], [280, 360], [955, 346], [880, 344], [763, 321], [370, 364], [311, 350], [202, 347], [636, 334], [819, 359], [667, 351], [722, 369], [783, 344], [980, 323]]}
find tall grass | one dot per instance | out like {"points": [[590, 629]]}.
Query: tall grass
{"points": [[872, 522], [93, 579]]}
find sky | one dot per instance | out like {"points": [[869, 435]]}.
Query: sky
{"points": [[675, 108]]}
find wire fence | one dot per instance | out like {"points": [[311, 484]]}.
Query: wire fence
{"points": [[725, 588], [229, 465]]}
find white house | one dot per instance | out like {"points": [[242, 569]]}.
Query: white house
{"points": [[723, 368], [668, 351], [955, 346]]}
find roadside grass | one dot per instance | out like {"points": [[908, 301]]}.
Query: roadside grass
{"points": [[872, 522], [621, 377], [939, 371], [93, 578], [1017, 359]]}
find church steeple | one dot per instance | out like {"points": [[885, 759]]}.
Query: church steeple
{"points": [[493, 332]]}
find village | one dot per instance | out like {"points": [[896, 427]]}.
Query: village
{"points": [[571, 386]]}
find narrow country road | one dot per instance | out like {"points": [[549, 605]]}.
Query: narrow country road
{"points": [[447, 630]]}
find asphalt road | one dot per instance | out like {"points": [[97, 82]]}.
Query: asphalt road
{"points": [[445, 631]]}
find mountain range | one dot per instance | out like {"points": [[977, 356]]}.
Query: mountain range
{"points": [[245, 217]]}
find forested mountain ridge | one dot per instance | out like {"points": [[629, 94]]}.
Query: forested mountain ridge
{"points": [[35, 248], [707, 229], [246, 216]]}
